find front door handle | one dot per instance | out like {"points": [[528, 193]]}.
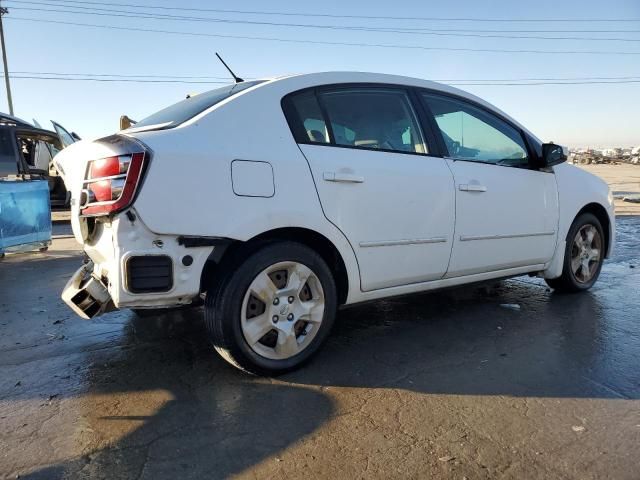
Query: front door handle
{"points": [[472, 188], [342, 177]]}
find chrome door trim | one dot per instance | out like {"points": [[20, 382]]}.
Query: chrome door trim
{"points": [[414, 241], [469, 238]]}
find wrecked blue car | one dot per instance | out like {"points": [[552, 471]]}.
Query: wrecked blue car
{"points": [[25, 210]]}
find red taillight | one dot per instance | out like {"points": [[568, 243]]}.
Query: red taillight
{"points": [[105, 167], [111, 183]]}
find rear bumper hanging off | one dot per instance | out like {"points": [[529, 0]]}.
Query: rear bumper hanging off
{"points": [[86, 295]]}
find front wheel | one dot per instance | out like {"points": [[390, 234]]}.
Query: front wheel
{"points": [[272, 311], [583, 256]]}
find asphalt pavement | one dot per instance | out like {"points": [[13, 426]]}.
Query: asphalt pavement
{"points": [[507, 380]]}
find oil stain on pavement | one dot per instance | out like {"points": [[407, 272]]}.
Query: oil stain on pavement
{"points": [[506, 380]]}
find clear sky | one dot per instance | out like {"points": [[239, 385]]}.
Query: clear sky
{"points": [[577, 115]]}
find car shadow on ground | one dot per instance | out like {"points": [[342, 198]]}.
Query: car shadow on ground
{"points": [[512, 339]]}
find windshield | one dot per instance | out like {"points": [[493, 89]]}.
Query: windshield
{"points": [[182, 111]]}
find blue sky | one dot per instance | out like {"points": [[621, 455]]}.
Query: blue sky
{"points": [[577, 115]]}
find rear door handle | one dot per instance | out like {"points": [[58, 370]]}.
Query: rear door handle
{"points": [[463, 187], [342, 177]]}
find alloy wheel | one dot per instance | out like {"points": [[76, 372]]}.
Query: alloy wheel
{"points": [[586, 253]]}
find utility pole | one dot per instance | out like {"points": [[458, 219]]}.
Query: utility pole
{"points": [[3, 12]]}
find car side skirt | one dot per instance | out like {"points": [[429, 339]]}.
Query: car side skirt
{"points": [[444, 283]]}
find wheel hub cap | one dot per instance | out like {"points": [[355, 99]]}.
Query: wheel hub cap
{"points": [[282, 310]]}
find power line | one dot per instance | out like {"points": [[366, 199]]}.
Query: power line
{"points": [[118, 75], [124, 80], [391, 29], [507, 84], [538, 79], [367, 17], [326, 42], [422, 32], [457, 83], [228, 80]]}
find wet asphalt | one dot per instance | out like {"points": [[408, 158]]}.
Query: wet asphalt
{"points": [[506, 380]]}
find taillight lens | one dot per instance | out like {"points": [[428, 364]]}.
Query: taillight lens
{"points": [[111, 183]]}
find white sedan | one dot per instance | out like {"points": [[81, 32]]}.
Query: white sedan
{"points": [[276, 201]]}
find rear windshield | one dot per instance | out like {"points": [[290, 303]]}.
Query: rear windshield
{"points": [[182, 111]]}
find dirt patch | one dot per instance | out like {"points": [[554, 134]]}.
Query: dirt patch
{"points": [[623, 180]]}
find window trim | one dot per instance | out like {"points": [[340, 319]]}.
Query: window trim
{"points": [[532, 156], [430, 140]]}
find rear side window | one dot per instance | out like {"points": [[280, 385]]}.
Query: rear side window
{"points": [[373, 118], [182, 111], [306, 119]]}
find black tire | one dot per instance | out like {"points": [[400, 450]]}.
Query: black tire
{"points": [[225, 296], [567, 282]]}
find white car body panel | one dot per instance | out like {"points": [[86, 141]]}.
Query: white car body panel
{"points": [[398, 215], [505, 217], [385, 228], [576, 189]]}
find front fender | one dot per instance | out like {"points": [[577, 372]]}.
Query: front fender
{"points": [[576, 190]]}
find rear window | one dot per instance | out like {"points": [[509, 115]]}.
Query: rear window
{"points": [[182, 111]]}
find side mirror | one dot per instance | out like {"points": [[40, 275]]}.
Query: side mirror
{"points": [[553, 154]]}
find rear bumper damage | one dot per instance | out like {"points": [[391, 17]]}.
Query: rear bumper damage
{"points": [[86, 295], [132, 267]]}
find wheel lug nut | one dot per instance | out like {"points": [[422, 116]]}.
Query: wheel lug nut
{"points": [[275, 319], [290, 299], [276, 301], [290, 317]]}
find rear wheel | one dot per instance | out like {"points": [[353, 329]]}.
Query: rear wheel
{"points": [[271, 312], [583, 256]]}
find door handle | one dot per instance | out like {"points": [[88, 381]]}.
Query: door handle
{"points": [[342, 177], [472, 188]]}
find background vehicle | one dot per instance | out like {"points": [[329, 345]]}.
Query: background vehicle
{"points": [[36, 148], [279, 200], [25, 212]]}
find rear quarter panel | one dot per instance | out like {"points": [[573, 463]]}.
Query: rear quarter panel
{"points": [[188, 189]]}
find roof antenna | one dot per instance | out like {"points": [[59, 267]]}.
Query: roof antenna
{"points": [[235, 77]]}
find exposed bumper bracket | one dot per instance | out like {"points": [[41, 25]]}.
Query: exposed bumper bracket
{"points": [[86, 295]]}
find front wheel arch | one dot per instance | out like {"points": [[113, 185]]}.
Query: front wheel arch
{"points": [[601, 214], [568, 280]]}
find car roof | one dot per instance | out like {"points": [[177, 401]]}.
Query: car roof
{"points": [[306, 80], [7, 119]]}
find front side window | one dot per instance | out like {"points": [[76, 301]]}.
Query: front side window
{"points": [[373, 118], [472, 134]]}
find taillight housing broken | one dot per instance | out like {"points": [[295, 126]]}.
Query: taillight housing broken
{"points": [[110, 184]]}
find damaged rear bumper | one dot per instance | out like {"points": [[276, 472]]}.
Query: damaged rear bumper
{"points": [[86, 295]]}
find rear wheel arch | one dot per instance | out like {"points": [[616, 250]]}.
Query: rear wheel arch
{"points": [[233, 253]]}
